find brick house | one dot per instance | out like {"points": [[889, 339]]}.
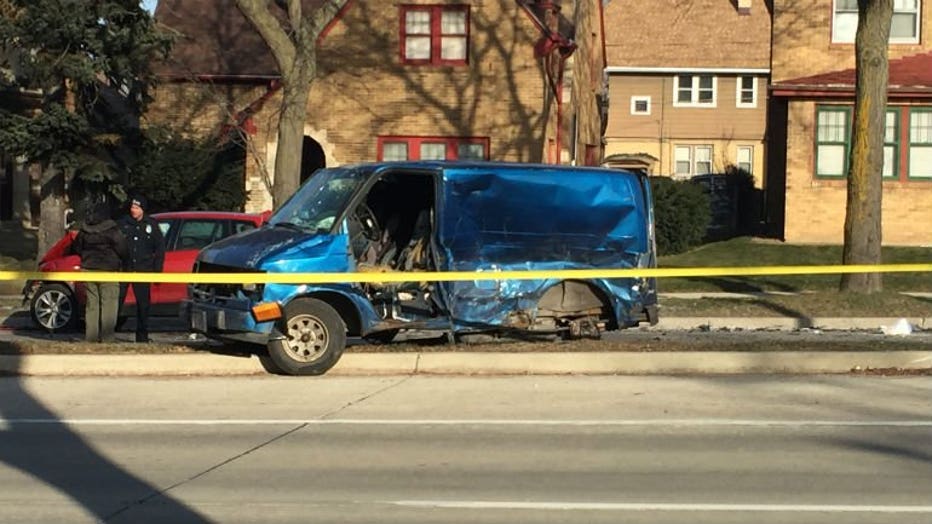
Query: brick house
{"points": [[687, 85], [812, 104], [478, 79]]}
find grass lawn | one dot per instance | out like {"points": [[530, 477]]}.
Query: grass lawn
{"points": [[746, 251]]}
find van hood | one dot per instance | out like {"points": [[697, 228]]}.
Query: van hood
{"points": [[248, 250]]}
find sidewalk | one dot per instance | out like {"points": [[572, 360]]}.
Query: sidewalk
{"points": [[615, 363]]}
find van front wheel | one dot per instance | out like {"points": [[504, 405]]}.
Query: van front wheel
{"points": [[314, 337]]}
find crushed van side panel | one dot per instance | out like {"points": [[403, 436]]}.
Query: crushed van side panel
{"points": [[586, 219]]}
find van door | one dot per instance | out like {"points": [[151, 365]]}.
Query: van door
{"points": [[392, 230]]}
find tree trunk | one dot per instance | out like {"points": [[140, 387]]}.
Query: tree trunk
{"points": [[290, 137], [865, 173], [51, 210]]}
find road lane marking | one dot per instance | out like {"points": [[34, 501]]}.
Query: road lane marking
{"points": [[658, 506], [471, 422]]}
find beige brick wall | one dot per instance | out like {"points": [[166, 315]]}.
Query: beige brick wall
{"points": [[815, 208], [802, 40], [363, 91]]}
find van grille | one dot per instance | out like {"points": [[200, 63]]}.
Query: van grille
{"points": [[211, 292]]}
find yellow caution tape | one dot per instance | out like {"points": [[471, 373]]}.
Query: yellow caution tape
{"points": [[450, 276]]}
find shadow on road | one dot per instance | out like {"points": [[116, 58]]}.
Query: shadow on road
{"points": [[36, 442]]}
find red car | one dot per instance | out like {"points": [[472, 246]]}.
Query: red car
{"points": [[57, 306]]}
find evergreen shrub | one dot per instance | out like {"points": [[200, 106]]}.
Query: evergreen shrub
{"points": [[177, 173], [681, 214]]}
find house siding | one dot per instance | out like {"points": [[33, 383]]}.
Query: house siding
{"points": [[724, 127]]}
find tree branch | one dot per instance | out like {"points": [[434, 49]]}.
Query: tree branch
{"points": [[282, 47]]}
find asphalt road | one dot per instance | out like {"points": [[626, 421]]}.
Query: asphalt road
{"points": [[816, 449]]}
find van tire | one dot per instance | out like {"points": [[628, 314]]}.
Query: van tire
{"points": [[313, 338]]}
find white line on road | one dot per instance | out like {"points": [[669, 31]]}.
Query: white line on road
{"points": [[469, 422], [659, 506]]}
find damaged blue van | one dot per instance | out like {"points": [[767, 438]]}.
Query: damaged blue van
{"points": [[425, 217]]}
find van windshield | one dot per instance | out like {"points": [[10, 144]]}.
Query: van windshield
{"points": [[317, 203]]}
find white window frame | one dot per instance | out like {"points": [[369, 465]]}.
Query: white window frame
{"points": [[845, 20], [750, 161], [634, 102], [920, 145], [696, 150], [691, 150], [694, 89], [740, 89]]}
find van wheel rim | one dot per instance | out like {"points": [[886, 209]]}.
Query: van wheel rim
{"points": [[307, 338], [53, 309]]}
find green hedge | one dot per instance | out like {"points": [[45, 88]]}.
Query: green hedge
{"points": [[177, 173], [681, 214]]}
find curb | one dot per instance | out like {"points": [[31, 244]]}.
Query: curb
{"points": [[789, 323], [614, 363]]}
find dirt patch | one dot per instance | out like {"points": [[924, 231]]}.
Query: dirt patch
{"points": [[634, 340], [807, 305]]}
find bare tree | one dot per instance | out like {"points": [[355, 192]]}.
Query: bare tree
{"points": [[292, 40], [863, 240]]}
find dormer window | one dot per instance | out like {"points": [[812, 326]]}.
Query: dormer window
{"points": [[434, 35]]}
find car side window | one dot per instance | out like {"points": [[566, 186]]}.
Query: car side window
{"points": [[239, 226], [167, 227], [196, 234]]}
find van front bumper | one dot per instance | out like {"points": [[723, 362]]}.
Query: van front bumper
{"points": [[232, 320]]}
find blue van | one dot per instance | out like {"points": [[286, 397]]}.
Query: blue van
{"points": [[434, 216]]}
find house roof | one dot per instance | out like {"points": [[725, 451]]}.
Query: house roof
{"points": [[214, 39], [908, 76], [687, 34]]}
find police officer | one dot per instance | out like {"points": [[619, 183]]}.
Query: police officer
{"points": [[146, 254]]}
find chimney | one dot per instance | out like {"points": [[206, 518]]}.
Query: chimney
{"points": [[744, 7]]}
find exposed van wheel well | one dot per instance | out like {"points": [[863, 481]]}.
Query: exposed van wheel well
{"points": [[344, 307], [575, 298]]}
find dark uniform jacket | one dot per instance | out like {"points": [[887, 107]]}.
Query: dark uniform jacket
{"points": [[146, 244], [101, 245]]}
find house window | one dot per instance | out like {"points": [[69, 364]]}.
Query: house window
{"points": [[694, 90], [745, 159], [434, 35], [832, 141], [432, 148], [394, 151], [891, 145], [692, 160], [746, 92], [920, 144], [640, 105], [904, 27]]}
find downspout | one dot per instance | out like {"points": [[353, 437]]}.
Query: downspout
{"points": [[561, 67], [551, 42]]}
